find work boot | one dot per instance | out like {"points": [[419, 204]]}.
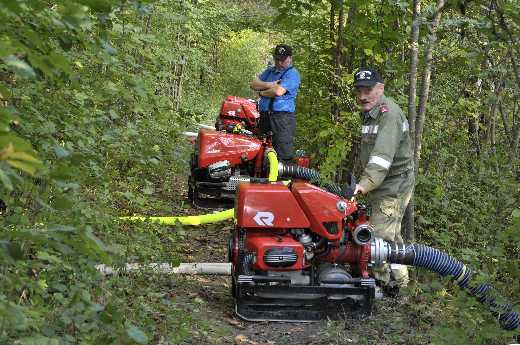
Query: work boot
{"points": [[399, 274], [391, 289]]}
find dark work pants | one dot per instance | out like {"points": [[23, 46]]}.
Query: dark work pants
{"points": [[283, 125]]}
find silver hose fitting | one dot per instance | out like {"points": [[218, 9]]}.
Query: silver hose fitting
{"points": [[363, 234], [379, 251], [382, 251]]}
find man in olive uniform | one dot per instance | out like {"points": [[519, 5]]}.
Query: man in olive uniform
{"points": [[387, 159]]}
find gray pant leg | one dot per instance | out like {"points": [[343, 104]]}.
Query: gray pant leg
{"points": [[283, 127]]}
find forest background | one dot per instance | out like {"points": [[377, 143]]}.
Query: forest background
{"points": [[95, 93]]}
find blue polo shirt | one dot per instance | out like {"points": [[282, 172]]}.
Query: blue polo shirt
{"points": [[290, 82]]}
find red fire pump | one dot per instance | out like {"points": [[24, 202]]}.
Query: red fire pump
{"points": [[236, 110], [299, 252], [229, 155], [221, 162], [294, 261]]}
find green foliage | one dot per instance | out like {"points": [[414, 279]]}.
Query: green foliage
{"points": [[467, 186], [242, 53], [93, 96]]}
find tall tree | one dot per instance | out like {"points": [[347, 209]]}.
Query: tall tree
{"points": [[337, 54], [409, 233]]}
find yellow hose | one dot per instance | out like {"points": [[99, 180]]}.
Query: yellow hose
{"points": [[273, 166], [187, 220], [210, 217]]}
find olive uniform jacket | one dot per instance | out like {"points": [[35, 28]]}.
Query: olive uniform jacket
{"points": [[385, 144]]}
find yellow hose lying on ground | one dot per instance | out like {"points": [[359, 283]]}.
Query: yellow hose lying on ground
{"points": [[210, 217], [187, 220]]}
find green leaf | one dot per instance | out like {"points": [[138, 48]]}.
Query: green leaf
{"points": [[379, 58], [29, 168], [6, 181], [42, 63], [137, 335], [20, 67], [62, 173], [61, 62], [60, 151], [48, 257], [113, 115], [62, 203], [324, 133], [12, 249], [25, 157], [18, 143], [148, 190], [4, 91], [37, 340], [95, 239], [12, 6]]}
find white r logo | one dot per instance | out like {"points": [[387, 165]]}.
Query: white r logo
{"points": [[264, 218]]}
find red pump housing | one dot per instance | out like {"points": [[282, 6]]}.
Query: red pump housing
{"points": [[237, 110], [217, 146], [298, 252], [231, 153], [261, 242], [269, 206], [325, 220], [268, 211]]}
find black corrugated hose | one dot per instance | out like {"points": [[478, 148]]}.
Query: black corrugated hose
{"points": [[311, 175], [437, 261]]}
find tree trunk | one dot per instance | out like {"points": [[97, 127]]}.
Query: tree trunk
{"points": [[473, 133], [332, 38], [332, 21], [497, 88], [425, 84], [179, 85], [147, 25], [348, 61], [409, 233], [337, 53], [512, 132]]}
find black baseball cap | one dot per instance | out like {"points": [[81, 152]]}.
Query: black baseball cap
{"points": [[367, 76], [281, 51]]}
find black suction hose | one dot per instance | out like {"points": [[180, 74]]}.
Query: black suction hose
{"points": [[296, 171], [437, 261], [311, 175]]}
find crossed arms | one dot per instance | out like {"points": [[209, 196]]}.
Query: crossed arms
{"points": [[269, 89]]}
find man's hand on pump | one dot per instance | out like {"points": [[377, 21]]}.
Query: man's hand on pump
{"points": [[359, 189]]}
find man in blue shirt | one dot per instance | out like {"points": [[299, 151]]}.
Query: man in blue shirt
{"points": [[278, 87]]}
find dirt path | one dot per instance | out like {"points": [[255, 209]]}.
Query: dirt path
{"points": [[390, 323]]}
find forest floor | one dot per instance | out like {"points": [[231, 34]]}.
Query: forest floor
{"points": [[198, 309], [202, 306]]}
